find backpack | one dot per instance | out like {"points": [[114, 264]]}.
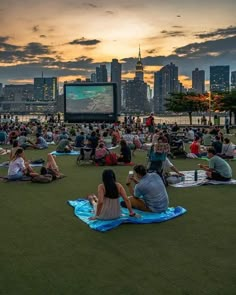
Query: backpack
{"points": [[111, 159], [149, 121], [38, 161]]}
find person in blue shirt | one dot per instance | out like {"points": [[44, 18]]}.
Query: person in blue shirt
{"points": [[148, 191], [79, 140]]}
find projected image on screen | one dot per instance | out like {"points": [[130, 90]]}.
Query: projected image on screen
{"points": [[89, 99]]}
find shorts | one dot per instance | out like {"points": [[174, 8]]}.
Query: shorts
{"points": [[16, 176], [218, 177]]}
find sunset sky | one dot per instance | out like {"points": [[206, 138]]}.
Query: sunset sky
{"points": [[68, 39]]}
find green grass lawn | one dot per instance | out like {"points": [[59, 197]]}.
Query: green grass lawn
{"points": [[45, 249]]}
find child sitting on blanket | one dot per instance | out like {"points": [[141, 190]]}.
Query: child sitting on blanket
{"points": [[107, 205]]}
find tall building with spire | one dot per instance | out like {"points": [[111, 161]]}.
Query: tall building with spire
{"points": [[139, 67]]}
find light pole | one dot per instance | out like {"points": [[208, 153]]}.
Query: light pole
{"points": [[209, 106]]}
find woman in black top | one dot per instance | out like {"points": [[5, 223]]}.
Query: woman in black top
{"points": [[125, 152]]}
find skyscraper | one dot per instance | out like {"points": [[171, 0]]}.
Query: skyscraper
{"points": [[101, 73], [116, 78], [45, 89], [1, 90], [198, 81], [165, 83], [233, 80], [93, 77], [219, 78], [139, 68], [136, 96]]}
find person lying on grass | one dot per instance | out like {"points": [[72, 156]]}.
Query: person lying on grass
{"points": [[107, 205], [51, 168], [218, 168], [18, 167]]}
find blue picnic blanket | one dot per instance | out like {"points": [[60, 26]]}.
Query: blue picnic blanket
{"points": [[83, 210], [72, 153]]}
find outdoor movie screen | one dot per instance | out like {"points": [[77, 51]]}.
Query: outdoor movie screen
{"points": [[89, 98]]}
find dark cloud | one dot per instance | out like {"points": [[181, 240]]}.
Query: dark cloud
{"points": [[43, 36], [221, 33], [51, 67], [110, 12], [216, 47], [195, 55], [172, 33], [4, 39], [35, 29], [36, 57], [6, 46], [84, 42], [35, 48], [92, 5], [151, 51], [177, 27]]}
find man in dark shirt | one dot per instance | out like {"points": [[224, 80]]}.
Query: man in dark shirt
{"points": [[217, 145]]}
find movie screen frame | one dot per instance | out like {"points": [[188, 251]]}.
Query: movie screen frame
{"points": [[80, 116]]}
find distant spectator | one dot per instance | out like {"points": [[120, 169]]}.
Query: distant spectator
{"points": [[217, 145], [64, 146], [40, 142], [79, 140], [227, 149], [3, 136]]}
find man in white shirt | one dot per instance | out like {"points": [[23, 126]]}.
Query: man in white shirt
{"points": [[190, 134]]}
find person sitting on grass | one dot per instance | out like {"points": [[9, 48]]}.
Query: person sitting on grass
{"points": [[18, 167], [107, 205], [64, 146], [100, 154], [79, 140], [227, 150], [217, 145], [218, 168], [125, 152], [195, 148], [24, 142], [148, 192], [40, 142]]}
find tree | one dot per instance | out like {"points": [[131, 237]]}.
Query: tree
{"points": [[226, 102], [189, 103]]}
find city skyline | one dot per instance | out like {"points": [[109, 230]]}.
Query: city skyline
{"points": [[70, 39]]}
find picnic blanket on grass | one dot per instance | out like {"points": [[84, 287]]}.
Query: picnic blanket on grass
{"points": [[113, 147], [83, 210], [6, 179], [72, 153], [6, 165], [201, 180]]}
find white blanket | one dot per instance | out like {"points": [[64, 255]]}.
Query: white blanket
{"points": [[201, 180]]}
